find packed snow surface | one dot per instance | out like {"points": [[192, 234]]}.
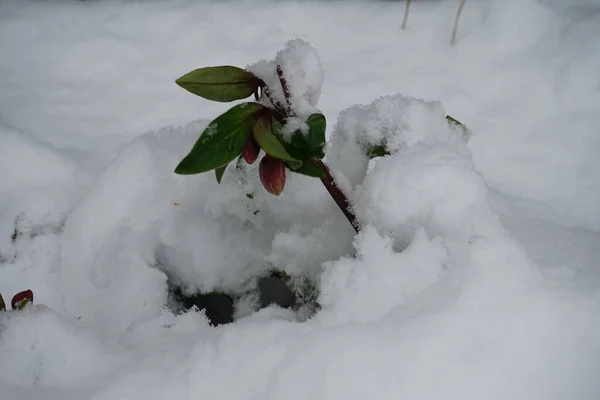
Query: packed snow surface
{"points": [[476, 273]]}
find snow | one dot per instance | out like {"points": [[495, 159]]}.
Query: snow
{"points": [[141, 221], [49, 337], [358, 292], [475, 274], [300, 68]]}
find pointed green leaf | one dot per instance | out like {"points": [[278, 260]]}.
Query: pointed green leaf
{"points": [[296, 152], [222, 140], [22, 304], [225, 83], [312, 142], [220, 171], [309, 169], [457, 123], [316, 130], [377, 151], [2, 304], [265, 137]]}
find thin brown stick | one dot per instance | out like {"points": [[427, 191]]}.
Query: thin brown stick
{"points": [[455, 29], [406, 10], [337, 195]]}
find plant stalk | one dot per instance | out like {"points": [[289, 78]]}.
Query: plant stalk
{"points": [[280, 110], [337, 195]]}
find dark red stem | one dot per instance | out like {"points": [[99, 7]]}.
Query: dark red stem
{"points": [[336, 194]]}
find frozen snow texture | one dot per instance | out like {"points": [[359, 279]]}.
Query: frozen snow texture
{"points": [[42, 348], [303, 74], [37, 183], [433, 186], [378, 279], [429, 178], [300, 67], [141, 224], [396, 122]]}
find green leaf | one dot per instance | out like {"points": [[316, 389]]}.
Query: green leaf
{"points": [[311, 143], [222, 140], [220, 171], [377, 151], [309, 169], [457, 123], [225, 83], [453, 120], [23, 303], [263, 133], [2, 304], [316, 130]]}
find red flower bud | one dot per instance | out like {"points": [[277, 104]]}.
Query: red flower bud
{"points": [[250, 150], [272, 174], [21, 299]]}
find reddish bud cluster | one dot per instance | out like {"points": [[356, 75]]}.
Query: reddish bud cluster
{"points": [[251, 150], [21, 299], [272, 174]]}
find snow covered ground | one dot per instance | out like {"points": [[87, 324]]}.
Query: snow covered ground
{"points": [[476, 274]]}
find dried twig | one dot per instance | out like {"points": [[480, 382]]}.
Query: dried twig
{"points": [[406, 10], [455, 29]]}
